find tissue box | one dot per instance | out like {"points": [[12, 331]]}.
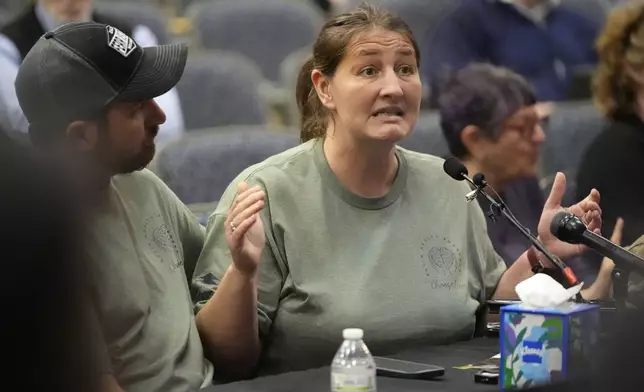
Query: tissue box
{"points": [[540, 346]]}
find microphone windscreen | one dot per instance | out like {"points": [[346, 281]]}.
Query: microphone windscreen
{"points": [[455, 168], [478, 179], [558, 224]]}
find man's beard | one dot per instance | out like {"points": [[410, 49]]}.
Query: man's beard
{"points": [[138, 162]]}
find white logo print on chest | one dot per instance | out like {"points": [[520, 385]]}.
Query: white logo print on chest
{"points": [[442, 262], [119, 41], [162, 241]]}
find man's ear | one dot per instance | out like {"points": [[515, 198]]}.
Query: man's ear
{"points": [[323, 89], [83, 135]]}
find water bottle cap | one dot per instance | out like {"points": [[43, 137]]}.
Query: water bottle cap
{"points": [[352, 334]]}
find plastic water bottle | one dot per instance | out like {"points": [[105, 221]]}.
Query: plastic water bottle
{"points": [[353, 368]]}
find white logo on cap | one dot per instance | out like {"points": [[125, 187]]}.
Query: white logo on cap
{"points": [[119, 41]]}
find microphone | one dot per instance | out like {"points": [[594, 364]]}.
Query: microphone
{"points": [[479, 180], [457, 170], [569, 228]]}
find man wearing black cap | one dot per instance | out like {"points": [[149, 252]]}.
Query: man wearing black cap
{"points": [[20, 33], [87, 91]]}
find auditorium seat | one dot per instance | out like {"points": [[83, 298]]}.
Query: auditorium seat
{"points": [[9, 9], [421, 15], [289, 71], [571, 128], [199, 166], [139, 13], [264, 31], [427, 136], [203, 211], [220, 89]]}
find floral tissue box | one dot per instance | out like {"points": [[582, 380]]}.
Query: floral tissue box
{"points": [[541, 346]]}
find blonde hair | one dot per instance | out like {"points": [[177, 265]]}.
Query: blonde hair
{"points": [[620, 47]]}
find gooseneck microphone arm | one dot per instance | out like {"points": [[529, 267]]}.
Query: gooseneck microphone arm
{"points": [[569, 228], [499, 205], [457, 170]]}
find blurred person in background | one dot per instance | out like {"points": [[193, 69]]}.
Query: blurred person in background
{"points": [[360, 232], [11, 117], [613, 162], [20, 34], [489, 119], [492, 122], [541, 40], [87, 90], [44, 286]]}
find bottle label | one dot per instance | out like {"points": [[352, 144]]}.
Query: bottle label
{"points": [[352, 382]]}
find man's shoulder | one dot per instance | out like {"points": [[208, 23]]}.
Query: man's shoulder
{"points": [[140, 182], [143, 175]]}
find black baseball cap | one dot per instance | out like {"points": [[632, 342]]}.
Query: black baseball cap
{"points": [[72, 73]]}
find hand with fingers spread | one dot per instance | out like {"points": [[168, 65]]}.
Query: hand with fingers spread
{"points": [[244, 229], [588, 210]]}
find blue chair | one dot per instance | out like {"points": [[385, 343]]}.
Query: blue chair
{"points": [[221, 89], [265, 31], [199, 166], [569, 131], [138, 13], [427, 137]]}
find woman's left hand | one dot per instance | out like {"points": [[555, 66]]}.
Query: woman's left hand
{"points": [[588, 210]]}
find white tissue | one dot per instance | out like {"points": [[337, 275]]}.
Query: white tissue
{"points": [[542, 291]]}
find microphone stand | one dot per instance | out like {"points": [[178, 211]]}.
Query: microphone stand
{"points": [[498, 208], [573, 230], [620, 286]]}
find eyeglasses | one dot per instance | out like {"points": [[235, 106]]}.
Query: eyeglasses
{"points": [[527, 127]]}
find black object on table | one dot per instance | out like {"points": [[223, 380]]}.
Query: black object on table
{"points": [[318, 380]]}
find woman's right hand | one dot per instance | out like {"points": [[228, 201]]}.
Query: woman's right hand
{"points": [[244, 229]]}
